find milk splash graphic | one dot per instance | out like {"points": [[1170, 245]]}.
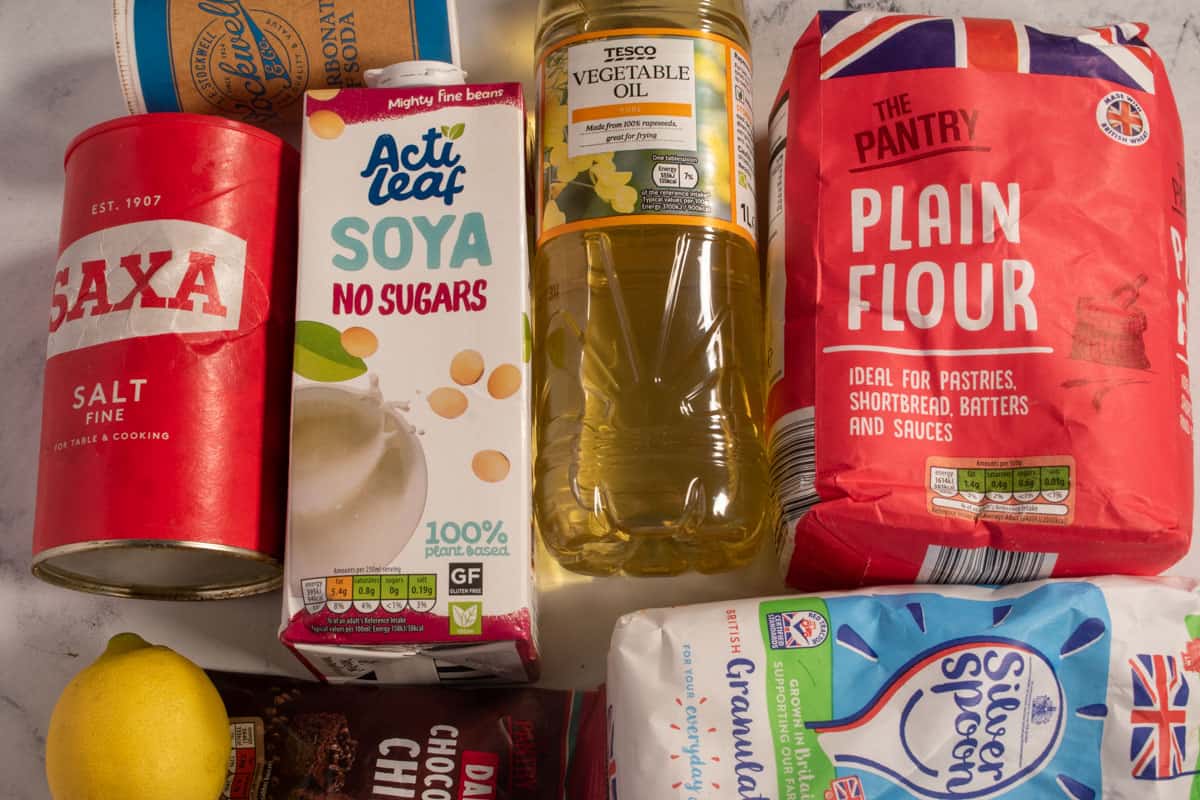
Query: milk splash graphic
{"points": [[359, 478]]}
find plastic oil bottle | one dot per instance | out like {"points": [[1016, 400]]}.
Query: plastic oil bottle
{"points": [[647, 322]]}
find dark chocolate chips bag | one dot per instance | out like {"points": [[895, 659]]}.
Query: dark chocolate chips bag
{"points": [[298, 740]]}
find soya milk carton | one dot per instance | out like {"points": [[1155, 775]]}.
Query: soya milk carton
{"points": [[408, 552]]}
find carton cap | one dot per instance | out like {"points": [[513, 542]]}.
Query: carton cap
{"points": [[415, 73]]}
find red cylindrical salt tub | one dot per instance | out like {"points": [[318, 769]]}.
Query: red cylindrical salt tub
{"points": [[163, 469]]}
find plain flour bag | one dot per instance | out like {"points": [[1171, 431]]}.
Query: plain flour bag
{"points": [[1055, 690], [977, 303]]}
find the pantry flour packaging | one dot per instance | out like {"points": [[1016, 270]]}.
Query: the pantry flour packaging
{"points": [[408, 553], [977, 304], [1074, 690]]}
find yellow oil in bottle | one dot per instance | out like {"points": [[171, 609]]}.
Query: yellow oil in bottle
{"points": [[648, 362]]}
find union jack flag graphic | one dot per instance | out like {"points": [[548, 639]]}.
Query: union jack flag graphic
{"points": [[1122, 116], [850, 788], [800, 629], [1159, 717], [868, 42]]}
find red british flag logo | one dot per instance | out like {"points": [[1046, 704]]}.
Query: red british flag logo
{"points": [[798, 631], [1191, 656], [849, 788], [1158, 746], [803, 628], [1123, 117], [868, 42]]}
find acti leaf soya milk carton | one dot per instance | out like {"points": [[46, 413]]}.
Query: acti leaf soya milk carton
{"points": [[408, 552]]}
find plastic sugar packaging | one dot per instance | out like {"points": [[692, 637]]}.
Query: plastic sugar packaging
{"points": [[1075, 689]]}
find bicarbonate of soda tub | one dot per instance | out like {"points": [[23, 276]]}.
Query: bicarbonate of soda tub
{"points": [[1056, 689], [253, 62], [409, 521]]}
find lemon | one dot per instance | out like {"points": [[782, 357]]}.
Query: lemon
{"points": [[141, 723]]}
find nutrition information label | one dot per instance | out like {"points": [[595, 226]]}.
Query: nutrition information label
{"points": [[365, 594]]}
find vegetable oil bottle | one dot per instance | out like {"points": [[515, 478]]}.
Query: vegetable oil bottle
{"points": [[647, 324]]}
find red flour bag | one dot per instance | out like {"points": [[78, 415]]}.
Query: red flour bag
{"points": [[977, 301]]}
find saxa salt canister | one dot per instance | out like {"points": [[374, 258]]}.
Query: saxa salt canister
{"points": [[165, 410]]}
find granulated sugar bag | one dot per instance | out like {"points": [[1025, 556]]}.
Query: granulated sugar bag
{"points": [[1056, 690], [977, 298]]}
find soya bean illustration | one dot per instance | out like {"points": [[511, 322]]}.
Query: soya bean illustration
{"points": [[466, 368], [490, 466], [326, 124], [323, 94], [447, 402], [504, 381], [360, 342]]}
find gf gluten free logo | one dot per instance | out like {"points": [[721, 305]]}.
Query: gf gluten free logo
{"points": [[466, 577]]}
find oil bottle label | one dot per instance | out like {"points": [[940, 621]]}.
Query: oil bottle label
{"points": [[652, 122]]}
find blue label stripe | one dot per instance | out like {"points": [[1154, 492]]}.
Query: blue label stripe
{"points": [[152, 51], [431, 21]]}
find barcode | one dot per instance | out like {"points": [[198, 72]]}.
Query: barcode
{"points": [[475, 664], [461, 674], [983, 565], [793, 471]]}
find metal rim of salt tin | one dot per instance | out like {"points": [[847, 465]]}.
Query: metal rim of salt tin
{"points": [[81, 566], [168, 118]]}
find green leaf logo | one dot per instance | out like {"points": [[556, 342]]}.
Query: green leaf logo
{"points": [[320, 355], [466, 619], [457, 130], [742, 180], [446, 131]]}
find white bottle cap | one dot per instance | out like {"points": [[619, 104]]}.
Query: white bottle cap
{"points": [[415, 73]]}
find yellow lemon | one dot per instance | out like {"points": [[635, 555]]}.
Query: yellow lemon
{"points": [[141, 723]]}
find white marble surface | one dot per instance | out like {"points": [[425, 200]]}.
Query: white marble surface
{"points": [[59, 79]]}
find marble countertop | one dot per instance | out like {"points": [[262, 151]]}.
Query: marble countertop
{"points": [[60, 79]]}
